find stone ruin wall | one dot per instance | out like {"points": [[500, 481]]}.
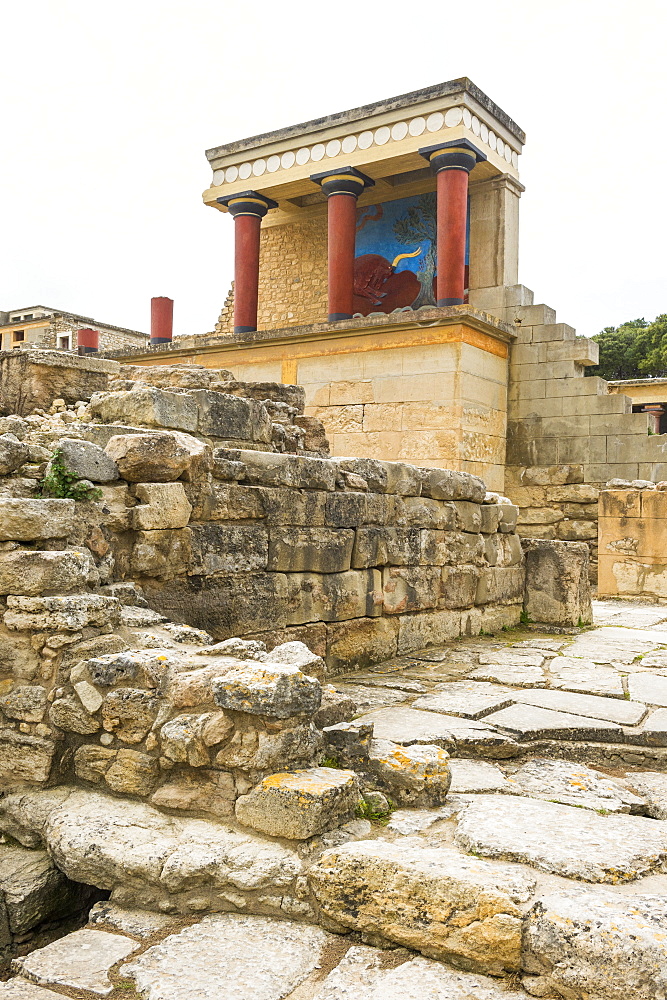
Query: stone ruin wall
{"points": [[633, 546], [359, 559], [567, 436]]}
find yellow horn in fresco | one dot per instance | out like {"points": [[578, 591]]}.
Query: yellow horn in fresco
{"points": [[402, 256]]}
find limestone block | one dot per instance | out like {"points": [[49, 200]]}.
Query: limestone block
{"points": [[25, 702], [557, 582], [155, 458], [416, 775], [373, 471], [296, 744], [30, 572], [442, 548], [14, 425], [380, 546], [148, 407], [24, 757], [297, 654], [346, 510], [444, 484], [455, 908], [223, 548], [226, 501], [319, 550], [30, 520], [300, 804], [575, 531], [32, 890], [13, 454], [356, 644], [468, 516], [220, 415], [275, 690], [490, 517], [200, 456], [31, 379], [460, 736], [332, 597], [181, 739], [165, 505], [423, 512], [428, 629], [508, 518], [267, 469], [69, 714], [458, 586], [87, 460], [132, 773], [92, 762], [66, 614], [594, 943], [129, 713], [148, 668], [80, 960], [501, 585], [162, 553], [213, 792], [410, 588]]}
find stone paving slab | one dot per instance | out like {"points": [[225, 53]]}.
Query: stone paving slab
{"points": [[396, 683], [654, 730], [520, 676], [529, 722], [563, 840], [410, 821], [627, 713], [21, 989], [512, 657], [408, 725], [599, 944], [229, 957], [367, 698], [652, 786], [611, 644], [139, 924], [469, 699], [570, 673], [651, 688], [79, 961], [574, 785], [476, 776], [361, 976], [658, 659]]}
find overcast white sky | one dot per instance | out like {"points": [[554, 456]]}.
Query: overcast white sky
{"points": [[106, 110]]}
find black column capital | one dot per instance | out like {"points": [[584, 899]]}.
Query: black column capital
{"points": [[458, 154], [247, 203], [344, 180]]}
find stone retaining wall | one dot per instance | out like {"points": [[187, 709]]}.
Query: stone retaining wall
{"points": [[633, 549]]}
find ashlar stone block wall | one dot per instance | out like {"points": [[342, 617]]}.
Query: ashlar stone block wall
{"points": [[633, 543]]}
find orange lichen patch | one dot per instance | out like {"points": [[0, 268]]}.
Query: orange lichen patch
{"points": [[314, 781]]}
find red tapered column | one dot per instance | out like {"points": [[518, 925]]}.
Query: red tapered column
{"points": [[248, 209], [87, 341], [342, 188], [452, 163], [162, 320]]}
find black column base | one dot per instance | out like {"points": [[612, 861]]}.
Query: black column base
{"points": [[334, 317], [449, 302], [159, 340], [245, 329], [87, 350]]}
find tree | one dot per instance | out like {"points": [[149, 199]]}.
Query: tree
{"points": [[417, 225], [619, 350]]}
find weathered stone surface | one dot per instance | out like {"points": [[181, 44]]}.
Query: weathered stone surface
{"points": [[271, 469], [32, 890], [256, 750], [297, 654], [230, 957], [470, 699], [362, 974], [140, 924], [557, 838], [415, 775], [276, 690], [613, 644], [231, 417], [129, 713], [80, 961], [29, 520], [111, 842], [409, 821], [87, 460], [129, 772], [408, 725], [228, 548], [521, 675], [573, 785], [69, 714], [300, 804], [21, 989], [318, 550], [147, 667], [529, 722], [654, 730], [67, 614], [557, 585], [30, 572], [26, 702], [650, 688], [476, 776], [585, 676], [433, 899], [30, 379], [652, 786], [13, 454], [148, 407], [148, 458], [206, 791], [626, 713], [165, 505], [597, 944], [24, 757]]}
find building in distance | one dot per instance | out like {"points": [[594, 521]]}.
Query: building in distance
{"points": [[41, 326]]}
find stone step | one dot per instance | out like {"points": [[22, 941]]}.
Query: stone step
{"points": [[21, 989], [456, 735], [78, 961]]}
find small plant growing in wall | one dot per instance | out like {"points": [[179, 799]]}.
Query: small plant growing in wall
{"points": [[60, 482]]}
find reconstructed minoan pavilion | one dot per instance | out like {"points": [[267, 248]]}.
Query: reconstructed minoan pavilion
{"points": [[376, 264]]}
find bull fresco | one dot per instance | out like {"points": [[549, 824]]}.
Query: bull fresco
{"points": [[395, 262]]}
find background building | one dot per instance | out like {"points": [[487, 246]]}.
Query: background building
{"points": [[41, 326]]}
